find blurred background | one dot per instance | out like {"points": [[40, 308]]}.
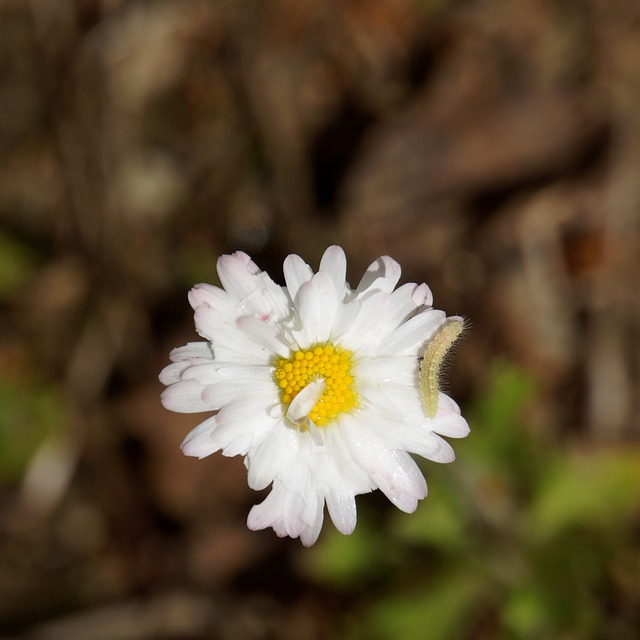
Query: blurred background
{"points": [[492, 147]]}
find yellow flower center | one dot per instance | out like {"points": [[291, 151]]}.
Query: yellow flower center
{"points": [[326, 361]]}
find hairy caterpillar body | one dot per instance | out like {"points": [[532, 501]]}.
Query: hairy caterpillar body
{"points": [[434, 354]]}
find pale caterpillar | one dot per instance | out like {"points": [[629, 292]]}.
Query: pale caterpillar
{"points": [[434, 354]]}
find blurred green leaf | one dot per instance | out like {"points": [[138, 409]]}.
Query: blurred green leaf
{"points": [[440, 611], [559, 589], [347, 560], [526, 613], [437, 522], [499, 407], [599, 488], [29, 411], [499, 438], [17, 263]]}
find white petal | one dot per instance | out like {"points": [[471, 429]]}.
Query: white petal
{"points": [[184, 397], [210, 326], [184, 357], [404, 432], [394, 472], [283, 509], [405, 396], [342, 509], [276, 453], [301, 491], [447, 404], [238, 349], [301, 405], [215, 313], [381, 401], [312, 513], [268, 512], [173, 372], [243, 424], [448, 421], [317, 304], [296, 273], [386, 369], [263, 334], [346, 315], [382, 275], [412, 334], [292, 523], [212, 297], [422, 296], [205, 374], [198, 442], [193, 352], [443, 454], [314, 432], [364, 333], [237, 274], [233, 371], [267, 301], [310, 533], [419, 439], [399, 478], [303, 476], [212, 372], [252, 290], [401, 307], [220, 393], [342, 444], [334, 264], [451, 425]]}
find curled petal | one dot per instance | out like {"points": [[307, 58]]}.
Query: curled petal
{"points": [[238, 274], [382, 275], [422, 296], [301, 405]]}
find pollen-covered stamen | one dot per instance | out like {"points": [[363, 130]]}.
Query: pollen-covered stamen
{"points": [[325, 362]]}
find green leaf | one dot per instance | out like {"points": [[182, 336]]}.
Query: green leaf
{"points": [[440, 611], [435, 523], [597, 489], [344, 561], [17, 263], [499, 442], [526, 613], [28, 413]]}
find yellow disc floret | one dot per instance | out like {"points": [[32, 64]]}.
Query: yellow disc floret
{"points": [[333, 364]]}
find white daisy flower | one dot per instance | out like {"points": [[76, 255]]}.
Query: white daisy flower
{"points": [[325, 390]]}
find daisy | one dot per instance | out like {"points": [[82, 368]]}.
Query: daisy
{"points": [[325, 390]]}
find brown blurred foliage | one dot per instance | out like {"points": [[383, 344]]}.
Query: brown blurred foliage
{"points": [[493, 148]]}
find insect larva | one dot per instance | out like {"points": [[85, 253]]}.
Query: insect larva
{"points": [[434, 354]]}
